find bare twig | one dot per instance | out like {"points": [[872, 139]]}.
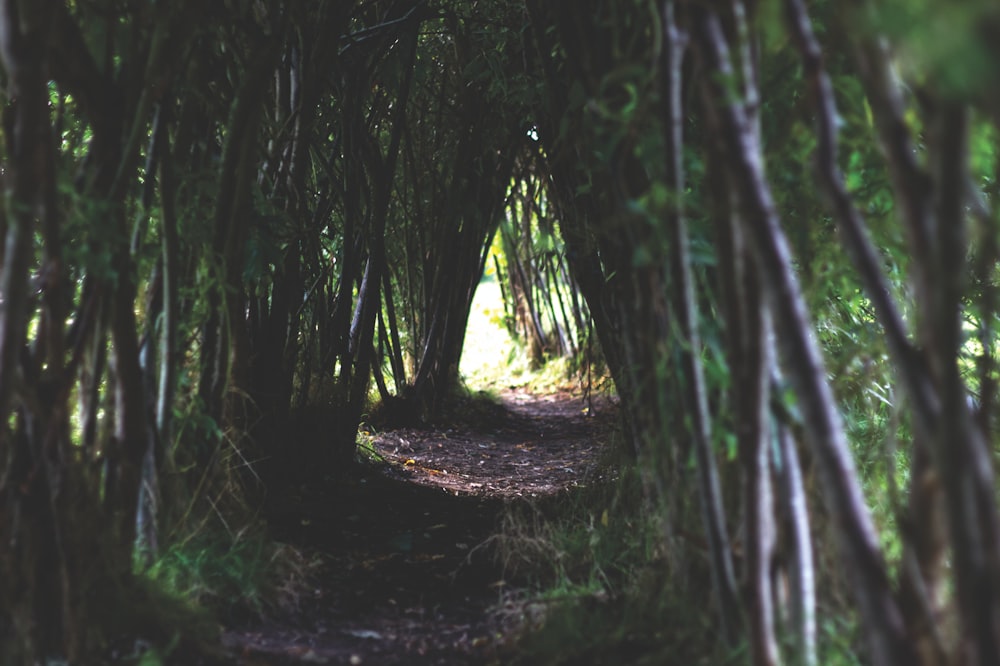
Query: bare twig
{"points": [[858, 539]]}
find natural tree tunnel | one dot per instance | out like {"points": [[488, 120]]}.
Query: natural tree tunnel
{"points": [[734, 399]]}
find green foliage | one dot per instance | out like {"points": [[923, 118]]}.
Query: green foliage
{"points": [[245, 573], [155, 626], [211, 572], [949, 43], [601, 589], [838, 642], [601, 574], [586, 540]]}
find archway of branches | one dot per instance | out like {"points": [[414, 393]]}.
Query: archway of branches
{"points": [[231, 221]]}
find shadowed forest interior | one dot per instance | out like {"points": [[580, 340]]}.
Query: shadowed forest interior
{"points": [[499, 331]]}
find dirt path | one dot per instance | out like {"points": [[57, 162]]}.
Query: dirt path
{"points": [[405, 577]]}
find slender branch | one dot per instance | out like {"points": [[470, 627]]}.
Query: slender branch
{"points": [[802, 575], [912, 184], [962, 455], [713, 514], [171, 281], [858, 539], [851, 225], [27, 136]]}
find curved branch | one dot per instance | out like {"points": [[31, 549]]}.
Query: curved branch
{"points": [[858, 539], [852, 227]]}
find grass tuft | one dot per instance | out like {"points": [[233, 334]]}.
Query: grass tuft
{"points": [[245, 575], [593, 583]]}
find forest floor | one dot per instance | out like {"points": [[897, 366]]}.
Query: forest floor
{"points": [[407, 573]]}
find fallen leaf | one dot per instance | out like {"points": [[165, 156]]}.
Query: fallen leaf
{"points": [[364, 633]]}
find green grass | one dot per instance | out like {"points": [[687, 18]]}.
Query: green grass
{"points": [[597, 585], [588, 568], [227, 575], [592, 577]]}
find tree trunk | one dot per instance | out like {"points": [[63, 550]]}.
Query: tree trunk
{"points": [[880, 613], [41, 559], [801, 570], [696, 393]]}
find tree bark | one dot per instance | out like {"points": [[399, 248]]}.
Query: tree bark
{"points": [[857, 537], [801, 569], [963, 456], [39, 593], [696, 393]]}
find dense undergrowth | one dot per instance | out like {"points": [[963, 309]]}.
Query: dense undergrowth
{"points": [[596, 578], [603, 573], [208, 578], [599, 573], [593, 566], [588, 571], [233, 575]]}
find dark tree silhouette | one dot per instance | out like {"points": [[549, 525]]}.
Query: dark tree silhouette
{"points": [[229, 228]]}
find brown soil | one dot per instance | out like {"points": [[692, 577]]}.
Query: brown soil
{"points": [[407, 573]]}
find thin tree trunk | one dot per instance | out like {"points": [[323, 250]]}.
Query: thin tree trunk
{"points": [[713, 515], [225, 343], [926, 543], [857, 537], [565, 325], [911, 184], [755, 442], [36, 622], [369, 294], [26, 123], [851, 225], [801, 570], [962, 456], [395, 345], [171, 282], [131, 433]]}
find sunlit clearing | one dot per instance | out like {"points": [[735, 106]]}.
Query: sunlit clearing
{"points": [[489, 350]]}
